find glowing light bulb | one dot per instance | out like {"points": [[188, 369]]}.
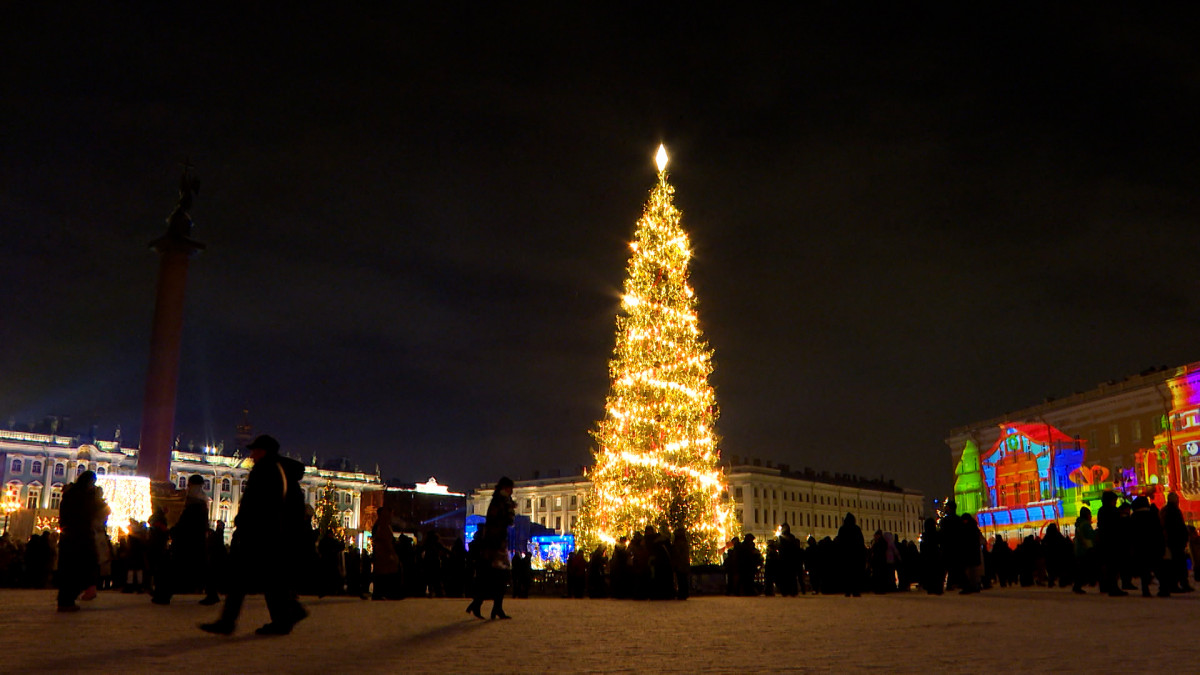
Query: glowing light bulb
{"points": [[661, 158]]}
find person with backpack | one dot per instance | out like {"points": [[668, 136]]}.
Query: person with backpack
{"points": [[271, 534]]}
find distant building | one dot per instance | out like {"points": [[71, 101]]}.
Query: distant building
{"points": [[764, 496], [37, 467]]}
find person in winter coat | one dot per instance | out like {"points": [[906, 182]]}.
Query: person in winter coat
{"points": [[494, 562], [1176, 533], [272, 536], [1085, 550], [596, 587], [851, 555], [78, 562], [386, 562], [1148, 546], [933, 571], [681, 563]]}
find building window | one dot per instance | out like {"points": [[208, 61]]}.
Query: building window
{"points": [[542, 522], [737, 494], [755, 516], [756, 493], [207, 485], [36, 468], [528, 504], [557, 502], [542, 504], [226, 485], [60, 470], [56, 497], [100, 471], [16, 466], [223, 513], [573, 498], [79, 470], [1137, 430], [572, 523], [182, 482], [32, 496], [558, 522]]}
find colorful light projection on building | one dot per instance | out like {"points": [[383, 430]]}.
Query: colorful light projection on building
{"points": [[1033, 473]]}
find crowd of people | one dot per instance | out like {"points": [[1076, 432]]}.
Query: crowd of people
{"points": [[1129, 546]]}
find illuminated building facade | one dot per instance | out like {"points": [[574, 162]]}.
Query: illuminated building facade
{"points": [[36, 467], [1138, 436], [763, 496], [418, 509]]}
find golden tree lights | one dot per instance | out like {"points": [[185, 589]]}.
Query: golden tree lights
{"points": [[656, 461]]}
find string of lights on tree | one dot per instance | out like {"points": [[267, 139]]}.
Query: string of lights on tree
{"points": [[656, 455]]}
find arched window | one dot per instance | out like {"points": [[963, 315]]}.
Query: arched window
{"points": [[60, 470], [100, 471], [36, 468], [79, 470], [223, 512], [56, 497], [207, 485], [226, 486], [33, 496], [16, 466]]}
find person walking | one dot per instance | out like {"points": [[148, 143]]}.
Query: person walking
{"points": [[494, 563], [851, 556], [270, 535]]}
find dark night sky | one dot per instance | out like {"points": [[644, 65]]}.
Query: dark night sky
{"points": [[417, 219]]}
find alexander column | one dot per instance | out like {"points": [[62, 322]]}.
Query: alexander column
{"points": [[175, 249]]}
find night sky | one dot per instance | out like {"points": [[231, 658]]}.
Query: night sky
{"points": [[417, 219]]}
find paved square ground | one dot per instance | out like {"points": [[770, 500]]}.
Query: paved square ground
{"points": [[1015, 630]]}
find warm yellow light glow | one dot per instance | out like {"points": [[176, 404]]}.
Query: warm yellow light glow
{"points": [[661, 158], [128, 497]]}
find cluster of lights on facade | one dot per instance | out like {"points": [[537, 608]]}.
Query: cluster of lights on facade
{"points": [[656, 463]]}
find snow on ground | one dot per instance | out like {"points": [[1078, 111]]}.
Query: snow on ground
{"points": [[1014, 630]]}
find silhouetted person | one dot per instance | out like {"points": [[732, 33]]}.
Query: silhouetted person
{"points": [[78, 563], [577, 571], [1054, 547], [187, 556], [951, 539], [329, 552], [1148, 546], [597, 564], [432, 555], [1085, 550], [971, 545], [385, 570], [681, 563], [1109, 543], [271, 536], [851, 555], [750, 561], [218, 554], [620, 570], [1176, 532], [494, 561], [933, 572], [454, 571], [730, 565], [791, 571]]}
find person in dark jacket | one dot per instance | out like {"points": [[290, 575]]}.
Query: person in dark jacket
{"points": [[851, 554], [214, 581], [681, 563], [596, 586], [933, 570], [187, 557], [271, 538], [494, 563], [1109, 544], [1176, 533], [78, 561], [791, 568], [1148, 546]]}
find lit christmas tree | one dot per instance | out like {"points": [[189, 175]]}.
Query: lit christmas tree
{"points": [[656, 463], [328, 519]]}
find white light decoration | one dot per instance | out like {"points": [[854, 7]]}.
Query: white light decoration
{"points": [[661, 158], [127, 497]]}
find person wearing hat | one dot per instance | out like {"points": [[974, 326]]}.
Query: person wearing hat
{"points": [[269, 534], [494, 563]]}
